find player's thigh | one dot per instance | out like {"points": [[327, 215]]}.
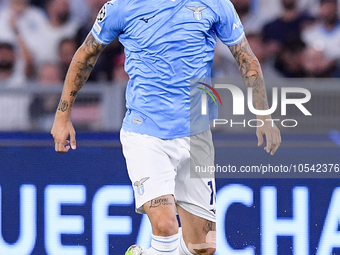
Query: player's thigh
{"points": [[196, 205], [195, 193], [149, 167], [196, 196], [199, 234]]}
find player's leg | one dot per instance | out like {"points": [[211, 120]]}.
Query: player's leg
{"points": [[162, 214], [195, 196], [198, 234], [196, 208], [153, 177]]}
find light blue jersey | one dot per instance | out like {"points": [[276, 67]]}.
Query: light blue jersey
{"points": [[167, 42]]}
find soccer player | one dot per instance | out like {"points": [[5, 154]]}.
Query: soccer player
{"points": [[167, 43]]}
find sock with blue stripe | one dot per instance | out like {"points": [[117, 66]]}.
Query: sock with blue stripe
{"points": [[182, 248], [163, 245]]}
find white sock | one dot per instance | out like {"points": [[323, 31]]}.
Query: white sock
{"points": [[163, 245], [182, 248]]}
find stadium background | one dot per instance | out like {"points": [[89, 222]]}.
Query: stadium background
{"points": [[82, 203]]}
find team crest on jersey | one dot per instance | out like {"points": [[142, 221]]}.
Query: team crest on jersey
{"points": [[197, 11], [102, 13], [140, 186]]}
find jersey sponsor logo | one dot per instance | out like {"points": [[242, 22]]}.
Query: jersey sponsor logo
{"points": [[146, 20], [236, 25], [102, 13], [140, 186], [197, 11]]}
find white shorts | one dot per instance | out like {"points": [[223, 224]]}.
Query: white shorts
{"points": [[158, 167]]}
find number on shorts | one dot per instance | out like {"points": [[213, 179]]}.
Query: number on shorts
{"points": [[212, 193]]}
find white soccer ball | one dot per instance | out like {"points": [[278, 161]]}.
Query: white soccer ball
{"points": [[134, 250]]}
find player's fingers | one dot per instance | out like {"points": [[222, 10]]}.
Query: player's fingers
{"points": [[56, 146], [269, 147], [73, 140], [274, 150], [62, 147], [66, 146], [280, 139], [275, 146], [259, 139], [277, 143]]}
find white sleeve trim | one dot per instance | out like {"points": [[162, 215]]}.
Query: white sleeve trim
{"points": [[97, 39], [235, 41]]}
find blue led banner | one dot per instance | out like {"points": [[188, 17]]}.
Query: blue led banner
{"points": [[81, 203]]}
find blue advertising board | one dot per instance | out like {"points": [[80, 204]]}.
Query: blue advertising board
{"points": [[81, 203]]}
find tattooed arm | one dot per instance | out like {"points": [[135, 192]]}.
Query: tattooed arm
{"points": [[252, 76], [80, 68]]}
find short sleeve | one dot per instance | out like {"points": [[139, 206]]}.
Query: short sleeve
{"points": [[228, 26], [108, 23]]}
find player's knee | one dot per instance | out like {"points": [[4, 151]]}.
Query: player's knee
{"points": [[203, 251], [207, 251], [166, 226], [211, 251], [206, 248]]}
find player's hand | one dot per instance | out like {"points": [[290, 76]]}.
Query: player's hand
{"points": [[62, 130], [273, 137]]}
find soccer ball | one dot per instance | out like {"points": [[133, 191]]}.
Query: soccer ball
{"points": [[134, 250]]}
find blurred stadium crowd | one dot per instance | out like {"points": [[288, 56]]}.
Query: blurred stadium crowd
{"points": [[291, 38]]}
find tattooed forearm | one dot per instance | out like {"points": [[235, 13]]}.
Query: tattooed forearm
{"points": [[92, 46], [247, 61], [209, 226], [82, 74], [251, 72], [63, 106], [159, 201], [73, 93], [90, 51], [81, 66]]}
